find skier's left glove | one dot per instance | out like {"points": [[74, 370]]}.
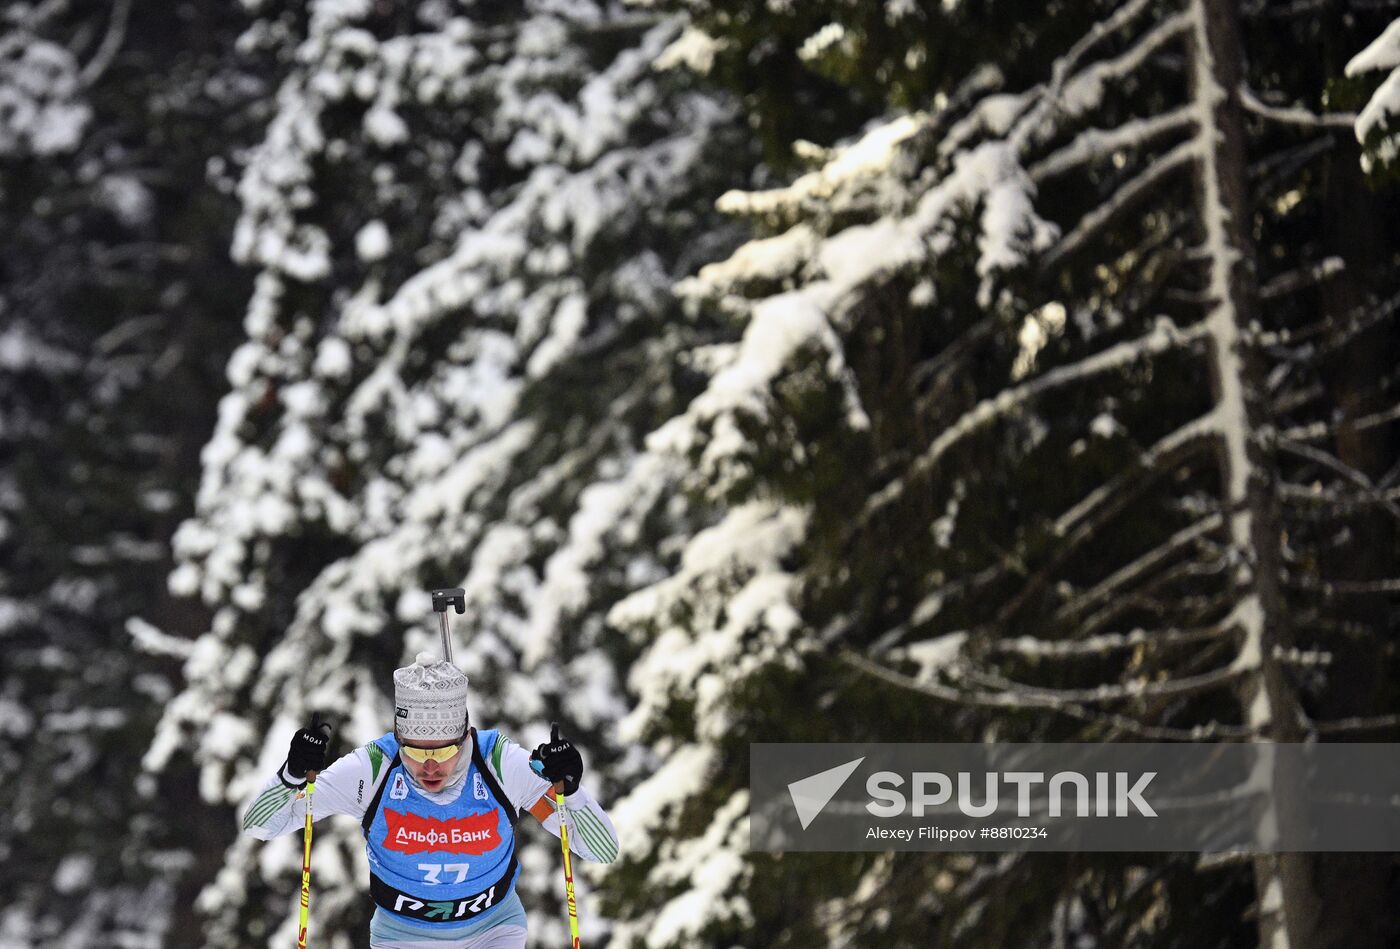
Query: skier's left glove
{"points": [[558, 761], [308, 750]]}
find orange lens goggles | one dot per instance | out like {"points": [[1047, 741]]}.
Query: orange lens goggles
{"points": [[421, 755]]}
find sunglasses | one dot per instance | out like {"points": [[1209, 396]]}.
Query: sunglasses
{"points": [[421, 755]]}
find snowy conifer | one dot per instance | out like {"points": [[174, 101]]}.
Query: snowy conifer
{"points": [[465, 229], [114, 295], [1059, 409]]}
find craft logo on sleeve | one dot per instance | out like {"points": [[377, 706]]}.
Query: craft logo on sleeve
{"points": [[409, 833]]}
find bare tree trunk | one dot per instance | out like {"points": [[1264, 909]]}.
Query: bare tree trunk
{"points": [[1288, 904]]}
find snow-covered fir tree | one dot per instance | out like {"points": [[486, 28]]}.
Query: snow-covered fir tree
{"points": [[465, 222], [1063, 410], [1052, 397], [114, 317]]}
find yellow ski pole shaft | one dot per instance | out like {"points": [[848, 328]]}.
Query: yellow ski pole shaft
{"points": [[306, 863], [568, 865]]}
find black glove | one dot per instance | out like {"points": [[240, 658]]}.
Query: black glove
{"points": [[308, 751], [558, 761]]}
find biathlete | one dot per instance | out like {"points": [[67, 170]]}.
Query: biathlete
{"points": [[438, 801]]}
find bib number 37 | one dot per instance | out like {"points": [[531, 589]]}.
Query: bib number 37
{"points": [[432, 872]]}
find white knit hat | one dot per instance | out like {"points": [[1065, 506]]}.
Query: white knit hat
{"points": [[430, 700]]}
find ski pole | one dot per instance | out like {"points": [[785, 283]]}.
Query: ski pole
{"points": [[442, 599], [306, 849], [306, 864], [562, 809], [568, 865]]}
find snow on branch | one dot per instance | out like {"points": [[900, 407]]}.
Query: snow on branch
{"points": [[1375, 126], [1334, 333], [1330, 588], [40, 87], [1315, 502], [1301, 278], [150, 639], [714, 875], [1345, 726], [1094, 144], [1145, 183], [111, 43], [1084, 91], [1145, 597], [1376, 419], [1112, 692], [1105, 644], [1164, 336], [1163, 455], [1100, 30], [760, 261], [961, 588], [728, 612], [1115, 582], [1361, 320], [953, 356], [1077, 93], [1294, 115], [1286, 10], [1302, 658], [779, 327], [1316, 431], [1014, 700], [566, 584], [1335, 464], [851, 164]]}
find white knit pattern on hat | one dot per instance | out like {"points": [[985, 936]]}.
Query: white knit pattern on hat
{"points": [[430, 700]]}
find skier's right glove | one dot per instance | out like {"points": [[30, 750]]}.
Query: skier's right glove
{"points": [[558, 761], [308, 751]]}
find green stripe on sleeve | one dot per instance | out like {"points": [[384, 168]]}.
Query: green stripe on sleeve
{"points": [[609, 842], [589, 837], [266, 810], [274, 804], [271, 801], [260, 803], [496, 756], [604, 847]]}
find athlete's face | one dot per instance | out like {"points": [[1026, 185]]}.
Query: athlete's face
{"points": [[433, 773]]}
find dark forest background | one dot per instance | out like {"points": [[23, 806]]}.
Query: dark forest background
{"points": [[799, 370]]}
